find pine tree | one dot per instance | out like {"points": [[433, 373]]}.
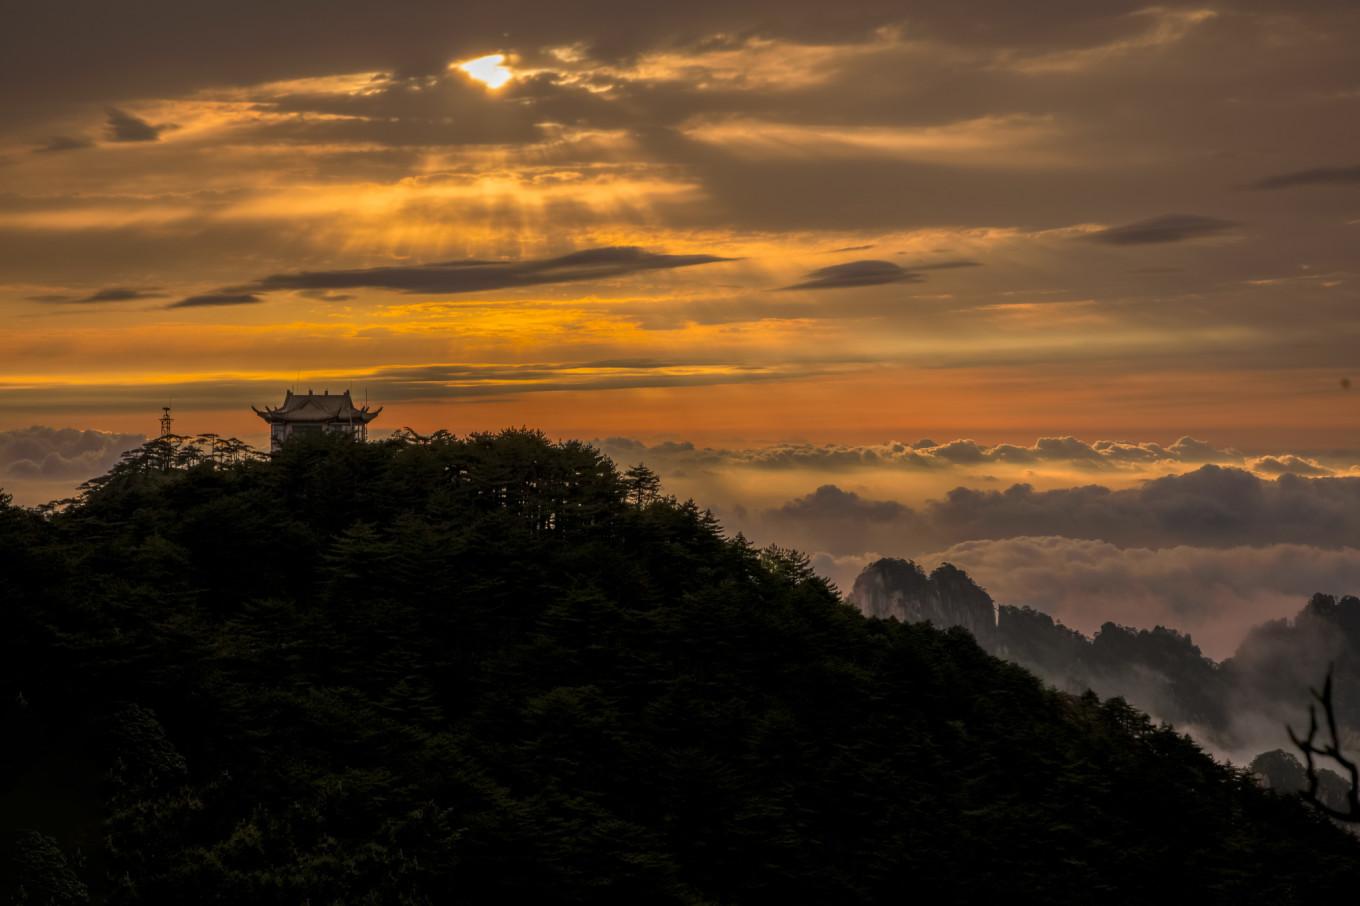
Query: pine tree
{"points": [[642, 484]]}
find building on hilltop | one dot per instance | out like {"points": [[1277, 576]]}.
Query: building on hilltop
{"points": [[316, 413]]}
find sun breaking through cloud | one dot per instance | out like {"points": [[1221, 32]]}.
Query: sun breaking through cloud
{"points": [[490, 70]]}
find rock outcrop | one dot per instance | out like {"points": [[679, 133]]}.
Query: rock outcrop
{"points": [[947, 597]]}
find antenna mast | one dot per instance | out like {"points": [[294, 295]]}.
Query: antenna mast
{"points": [[166, 421]]}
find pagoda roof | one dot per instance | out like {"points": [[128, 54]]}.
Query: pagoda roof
{"points": [[318, 407]]}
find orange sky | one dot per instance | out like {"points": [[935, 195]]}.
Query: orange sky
{"points": [[721, 225]]}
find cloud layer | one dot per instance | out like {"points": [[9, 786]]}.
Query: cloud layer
{"points": [[67, 454], [927, 454], [1209, 507]]}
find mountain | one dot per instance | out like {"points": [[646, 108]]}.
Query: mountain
{"points": [[493, 669], [1243, 702], [947, 597], [1282, 771]]}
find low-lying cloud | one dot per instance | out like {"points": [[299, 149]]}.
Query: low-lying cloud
{"points": [[928, 454], [1288, 464], [60, 454], [1210, 507]]}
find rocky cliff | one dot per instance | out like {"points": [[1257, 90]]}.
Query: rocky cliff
{"points": [[947, 597]]}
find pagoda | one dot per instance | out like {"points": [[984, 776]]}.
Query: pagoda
{"points": [[316, 413]]}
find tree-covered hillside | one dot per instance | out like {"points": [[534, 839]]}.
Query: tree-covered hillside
{"points": [[494, 669]]}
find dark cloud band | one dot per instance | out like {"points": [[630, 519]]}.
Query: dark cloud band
{"points": [[1317, 176], [871, 272], [110, 294], [468, 276], [1167, 228], [208, 300], [124, 127], [64, 143]]}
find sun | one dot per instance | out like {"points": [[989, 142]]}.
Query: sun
{"points": [[490, 70]]}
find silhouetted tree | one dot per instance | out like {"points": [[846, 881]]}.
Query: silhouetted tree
{"points": [[642, 484]]}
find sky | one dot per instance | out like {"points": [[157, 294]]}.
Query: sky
{"points": [[890, 249]]}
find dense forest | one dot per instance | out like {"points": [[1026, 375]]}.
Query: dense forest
{"points": [[495, 668]]}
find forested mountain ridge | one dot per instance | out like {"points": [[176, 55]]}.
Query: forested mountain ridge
{"points": [[1241, 703], [493, 668]]}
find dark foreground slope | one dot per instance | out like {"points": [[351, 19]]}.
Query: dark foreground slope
{"points": [[473, 671]]}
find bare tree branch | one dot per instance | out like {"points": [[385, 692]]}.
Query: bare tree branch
{"points": [[1329, 749]]}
